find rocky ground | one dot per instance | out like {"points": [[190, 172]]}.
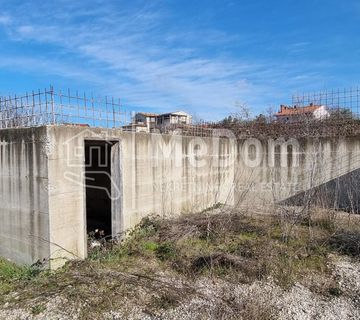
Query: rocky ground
{"points": [[222, 300], [150, 289]]}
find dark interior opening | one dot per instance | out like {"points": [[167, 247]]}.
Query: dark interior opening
{"points": [[98, 186]]}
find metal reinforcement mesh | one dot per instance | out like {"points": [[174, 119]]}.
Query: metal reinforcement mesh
{"points": [[341, 102], [337, 115], [49, 107]]}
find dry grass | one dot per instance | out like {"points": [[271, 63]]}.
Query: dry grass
{"points": [[158, 263]]}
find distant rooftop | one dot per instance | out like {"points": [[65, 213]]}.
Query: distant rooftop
{"points": [[148, 114], [286, 110]]}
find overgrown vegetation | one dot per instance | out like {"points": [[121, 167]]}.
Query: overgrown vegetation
{"points": [[334, 126], [11, 274], [234, 247]]}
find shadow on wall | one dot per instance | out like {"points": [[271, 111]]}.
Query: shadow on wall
{"points": [[342, 193]]}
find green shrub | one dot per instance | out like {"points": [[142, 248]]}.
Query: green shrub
{"points": [[37, 309], [10, 271], [150, 246], [165, 251]]}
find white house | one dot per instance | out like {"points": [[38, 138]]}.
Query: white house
{"points": [[177, 117], [146, 122]]}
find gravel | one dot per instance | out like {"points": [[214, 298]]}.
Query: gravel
{"points": [[218, 299]]}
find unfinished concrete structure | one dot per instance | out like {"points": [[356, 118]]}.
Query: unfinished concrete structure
{"points": [[60, 181], [51, 194]]}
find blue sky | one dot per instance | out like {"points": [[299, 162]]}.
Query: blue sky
{"points": [[200, 56]]}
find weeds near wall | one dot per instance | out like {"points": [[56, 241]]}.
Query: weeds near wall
{"points": [[158, 265], [11, 275]]}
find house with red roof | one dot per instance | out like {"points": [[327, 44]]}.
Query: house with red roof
{"points": [[297, 114]]}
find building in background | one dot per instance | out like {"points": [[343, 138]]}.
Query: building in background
{"points": [[178, 117], [145, 119], [136, 127], [148, 122], [295, 114]]}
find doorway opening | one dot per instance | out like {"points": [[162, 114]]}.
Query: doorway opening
{"points": [[99, 185]]}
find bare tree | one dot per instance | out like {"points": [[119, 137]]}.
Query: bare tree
{"points": [[243, 112]]}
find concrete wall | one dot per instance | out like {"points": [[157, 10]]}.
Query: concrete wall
{"points": [[42, 187], [280, 169], [155, 174], [24, 209]]}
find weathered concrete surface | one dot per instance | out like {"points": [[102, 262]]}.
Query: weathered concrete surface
{"points": [[280, 169], [43, 194], [154, 174], [24, 209]]}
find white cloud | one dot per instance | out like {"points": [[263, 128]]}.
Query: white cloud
{"points": [[130, 53], [144, 72]]}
